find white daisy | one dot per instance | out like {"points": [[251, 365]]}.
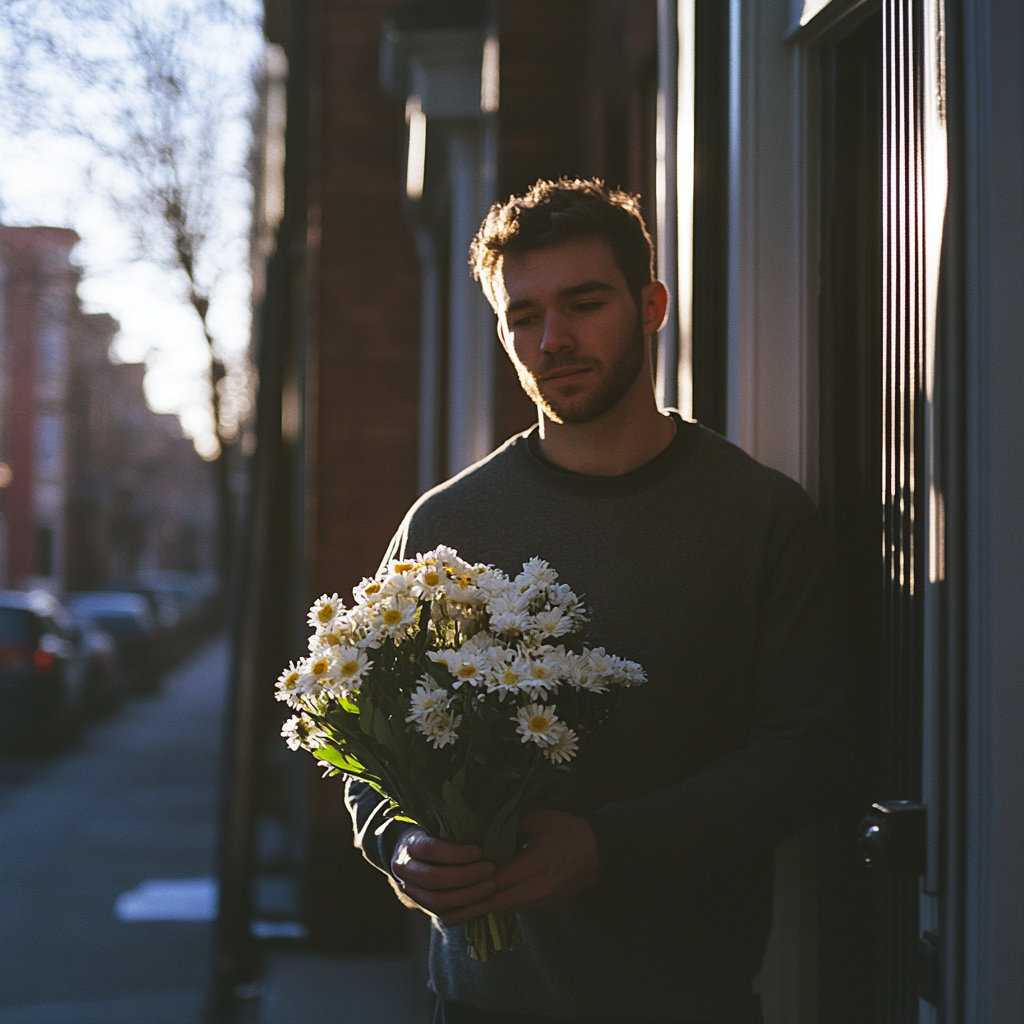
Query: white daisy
{"points": [[324, 611], [439, 727], [536, 722], [565, 746], [301, 731], [288, 681], [584, 675], [350, 665], [426, 581], [552, 622], [368, 591], [428, 698], [536, 572], [395, 615], [469, 664], [507, 674], [546, 669]]}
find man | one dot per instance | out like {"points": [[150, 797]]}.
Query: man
{"points": [[647, 894]]}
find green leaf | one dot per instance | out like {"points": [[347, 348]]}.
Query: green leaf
{"points": [[382, 730], [465, 822], [340, 760]]}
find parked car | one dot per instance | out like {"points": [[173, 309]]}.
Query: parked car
{"points": [[184, 606], [42, 671], [104, 681], [128, 619]]}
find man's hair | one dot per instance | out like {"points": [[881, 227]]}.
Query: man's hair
{"points": [[552, 212]]}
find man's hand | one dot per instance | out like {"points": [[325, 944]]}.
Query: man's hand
{"points": [[558, 860], [440, 877]]}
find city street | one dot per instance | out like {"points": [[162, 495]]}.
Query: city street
{"points": [[135, 802]]}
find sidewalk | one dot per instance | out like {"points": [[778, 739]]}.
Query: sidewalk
{"points": [[135, 801]]}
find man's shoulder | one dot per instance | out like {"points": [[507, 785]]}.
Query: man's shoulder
{"points": [[483, 482], [762, 484]]}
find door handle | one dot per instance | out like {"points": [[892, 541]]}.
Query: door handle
{"points": [[891, 837]]}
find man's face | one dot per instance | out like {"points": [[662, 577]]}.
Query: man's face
{"points": [[572, 328]]}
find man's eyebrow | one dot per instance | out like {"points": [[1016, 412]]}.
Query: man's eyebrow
{"points": [[565, 293]]}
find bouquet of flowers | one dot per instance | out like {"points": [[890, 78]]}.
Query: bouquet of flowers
{"points": [[442, 688]]}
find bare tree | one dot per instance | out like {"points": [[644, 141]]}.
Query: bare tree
{"points": [[141, 85]]}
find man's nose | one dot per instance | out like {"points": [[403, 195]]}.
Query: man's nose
{"points": [[557, 333]]}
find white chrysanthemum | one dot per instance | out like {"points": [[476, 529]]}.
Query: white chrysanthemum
{"points": [[302, 731], [439, 727], [536, 573], [288, 682], [324, 611], [428, 698], [537, 723], [565, 746]]}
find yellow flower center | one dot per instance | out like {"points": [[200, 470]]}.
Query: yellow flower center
{"points": [[466, 671], [319, 667], [431, 578], [539, 723], [349, 668], [290, 680], [332, 639], [403, 566], [392, 617], [372, 588], [511, 677], [539, 671], [326, 613], [463, 580]]}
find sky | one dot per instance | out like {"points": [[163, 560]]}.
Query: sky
{"points": [[45, 179]]}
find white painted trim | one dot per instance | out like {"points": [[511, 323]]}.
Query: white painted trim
{"points": [[772, 407], [472, 338], [669, 369]]}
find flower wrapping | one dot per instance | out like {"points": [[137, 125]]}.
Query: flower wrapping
{"points": [[444, 688]]}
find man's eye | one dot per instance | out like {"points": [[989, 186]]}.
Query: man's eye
{"points": [[522, 321], [588, 307]]}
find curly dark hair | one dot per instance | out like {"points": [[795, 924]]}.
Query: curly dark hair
{"points": [[552, 212]]}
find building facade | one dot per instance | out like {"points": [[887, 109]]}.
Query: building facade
{"points": [[97, 488]]}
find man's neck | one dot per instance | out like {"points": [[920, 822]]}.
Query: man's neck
{"points": [[625, 438]]}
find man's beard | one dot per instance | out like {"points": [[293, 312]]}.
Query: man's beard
{"points": [[618, 378]]}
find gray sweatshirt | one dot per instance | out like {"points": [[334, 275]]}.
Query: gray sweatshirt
{"points": [[711, 571]]}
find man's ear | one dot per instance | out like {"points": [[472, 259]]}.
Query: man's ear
{"points": [[654, 307]]}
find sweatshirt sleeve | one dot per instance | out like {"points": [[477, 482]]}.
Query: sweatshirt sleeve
{"points": [[741, 805], [368, 810]]}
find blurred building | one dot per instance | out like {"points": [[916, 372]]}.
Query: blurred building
{"points": [[836, 188], [99, 488]]}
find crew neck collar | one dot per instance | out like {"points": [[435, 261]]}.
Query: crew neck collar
{"points": [[668, 458]]}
